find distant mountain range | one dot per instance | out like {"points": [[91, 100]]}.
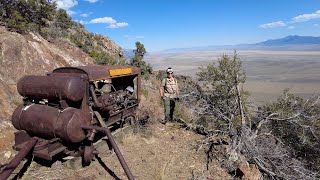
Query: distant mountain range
{"points": [[293, 43], [292, 40]]}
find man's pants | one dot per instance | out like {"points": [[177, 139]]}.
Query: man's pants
{"points": [[169, 105]]}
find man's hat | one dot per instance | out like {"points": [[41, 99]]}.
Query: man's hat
{"points": [[169, 70]]}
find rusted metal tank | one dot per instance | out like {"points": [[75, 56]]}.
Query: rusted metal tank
{"points": [[58, 106], [49, 122], [52, 87]]}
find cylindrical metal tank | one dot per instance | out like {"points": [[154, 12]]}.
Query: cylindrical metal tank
{"points": [[52, 87], [48, 122]]}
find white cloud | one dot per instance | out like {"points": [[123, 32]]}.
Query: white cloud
{"points": [[112, 23], [273, 25], [132, 37], [306, 17], [84, 15], [92, 1], [82, 22], [66, 4], [103, 20], [118, 25], [71, 12], [296, 19]]}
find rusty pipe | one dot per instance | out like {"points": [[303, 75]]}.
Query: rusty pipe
{"points": [[95, 99], [115, 147], [7, 171]]}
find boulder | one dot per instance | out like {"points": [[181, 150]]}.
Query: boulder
{"points": [[248, 172]]}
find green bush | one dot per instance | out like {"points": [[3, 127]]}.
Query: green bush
{"points": [[179, 112], [144, 92], [27, 15], [104, 59], [220, 90], [17, 22], [43, 17], [62, 20], [296, 122]]}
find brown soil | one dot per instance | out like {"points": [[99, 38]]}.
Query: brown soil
{"points": [[154, 152], [6, 142], [6, 139], [159, 152]]}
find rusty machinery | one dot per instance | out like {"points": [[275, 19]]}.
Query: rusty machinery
{"points": [[64, 111]]}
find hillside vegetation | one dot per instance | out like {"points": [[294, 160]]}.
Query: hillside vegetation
{"points": [[281, 138], [43, 17], [217, 132], [35, 38]]}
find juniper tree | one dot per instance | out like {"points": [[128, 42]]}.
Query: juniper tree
{"points": [[138, 61], [224, 98]]}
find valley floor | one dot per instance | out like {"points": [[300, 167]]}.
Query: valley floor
{"points": [[268, 72]]}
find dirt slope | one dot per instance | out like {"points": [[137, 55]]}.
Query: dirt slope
{"points": [[31, 54], [152, 151], [163, 152]]}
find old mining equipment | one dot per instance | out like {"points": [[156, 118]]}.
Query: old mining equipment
{"points": [[63, 111]]}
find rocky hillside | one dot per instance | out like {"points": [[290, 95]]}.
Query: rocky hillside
{"points": [[32, 54], [37, 37]]}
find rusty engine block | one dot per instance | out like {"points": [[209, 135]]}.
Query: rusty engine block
{"points": [[66, 109]]}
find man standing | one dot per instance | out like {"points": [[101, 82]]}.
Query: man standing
{"points": [[169, 92]]}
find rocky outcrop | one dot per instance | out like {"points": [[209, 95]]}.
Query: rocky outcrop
{"points": [[95, 44], [109, 46], [248, 172], [29, 54]]}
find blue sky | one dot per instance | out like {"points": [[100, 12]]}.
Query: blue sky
{"points": [[165, 24]]}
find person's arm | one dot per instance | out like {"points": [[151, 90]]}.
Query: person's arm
{"points": [[161, 91]]}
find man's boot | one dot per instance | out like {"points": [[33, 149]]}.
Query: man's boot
{"points": [[163, 121]]}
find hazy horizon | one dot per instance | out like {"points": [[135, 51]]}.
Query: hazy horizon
{"points": [[166, 24], [268, 72]]}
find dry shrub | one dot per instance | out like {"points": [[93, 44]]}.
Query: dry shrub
{"points": [[182, 112], [150, 109]]}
